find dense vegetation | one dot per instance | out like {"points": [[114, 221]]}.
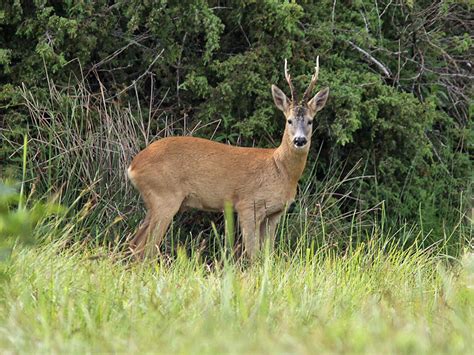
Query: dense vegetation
{"points": [[378, 254], [94, 82]]}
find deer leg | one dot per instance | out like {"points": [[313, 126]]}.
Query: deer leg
{"points": [[250, 224], [150, 235], [141, 232], [268, 228], [158, 227]]}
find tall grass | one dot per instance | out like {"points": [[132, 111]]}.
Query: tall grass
{"points": [[81, 144], [340, 279], [375, 297]]}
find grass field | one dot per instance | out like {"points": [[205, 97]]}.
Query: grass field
{"points": [[376, 297]]}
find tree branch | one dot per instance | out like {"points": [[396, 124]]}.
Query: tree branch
{"points": [[379, 65]]}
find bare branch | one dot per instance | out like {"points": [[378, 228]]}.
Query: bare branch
{"points": [[379, 65], [147, 71]]}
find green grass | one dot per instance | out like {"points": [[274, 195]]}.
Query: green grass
{"points": [[342, 279], [372, 298]]}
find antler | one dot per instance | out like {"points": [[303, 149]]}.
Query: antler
{"points": [[290, 84], [314, 79]]}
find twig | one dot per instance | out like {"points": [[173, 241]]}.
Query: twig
{"points": [[379, 65], [178, 70], [385, 9], [117, 52], [147, 71], [245, 35]]}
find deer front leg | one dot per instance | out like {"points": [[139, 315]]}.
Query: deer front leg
{"points": [[268, 228], [250, 222]]}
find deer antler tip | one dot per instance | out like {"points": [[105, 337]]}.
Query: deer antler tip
{"points": [[314, 78], [290, 84]]}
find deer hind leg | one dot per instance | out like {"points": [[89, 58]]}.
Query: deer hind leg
{"points": [[268, 228], [250, 221], [149, 236], [140, 235]]}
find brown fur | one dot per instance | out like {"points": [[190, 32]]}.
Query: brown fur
{"points": [[177, 173]]}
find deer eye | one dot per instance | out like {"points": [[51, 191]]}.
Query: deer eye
{"points": [[310, 122], [290, 121]]}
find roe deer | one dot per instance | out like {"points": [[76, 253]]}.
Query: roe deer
{"points": [[176, 173]]}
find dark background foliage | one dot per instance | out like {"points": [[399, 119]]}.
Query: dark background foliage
{"points": [[400, 74]]}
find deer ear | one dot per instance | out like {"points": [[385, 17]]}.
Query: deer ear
{"points": [[318, 101], [280, 99]]}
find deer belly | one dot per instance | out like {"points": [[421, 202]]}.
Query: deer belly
{"points": [[206, 204]]}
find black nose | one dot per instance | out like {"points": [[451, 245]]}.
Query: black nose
{"points": [[300, 141]]}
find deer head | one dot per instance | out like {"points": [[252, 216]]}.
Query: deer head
{"points": [[300, 114]]}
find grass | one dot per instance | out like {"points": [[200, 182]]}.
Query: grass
{"points": [[376, 297], [341, 278]]}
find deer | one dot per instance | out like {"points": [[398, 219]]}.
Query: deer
{"points": [[178, 173]]}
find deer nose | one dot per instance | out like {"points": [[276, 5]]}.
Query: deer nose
{"points": [[300, 141]]}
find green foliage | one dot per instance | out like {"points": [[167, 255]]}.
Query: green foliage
{"points": [[207, 67], [17, 223]]}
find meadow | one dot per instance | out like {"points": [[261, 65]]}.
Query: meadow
{"points": [[66, 294]]}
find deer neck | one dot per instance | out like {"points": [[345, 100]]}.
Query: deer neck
{"points": [[292, 161]]}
